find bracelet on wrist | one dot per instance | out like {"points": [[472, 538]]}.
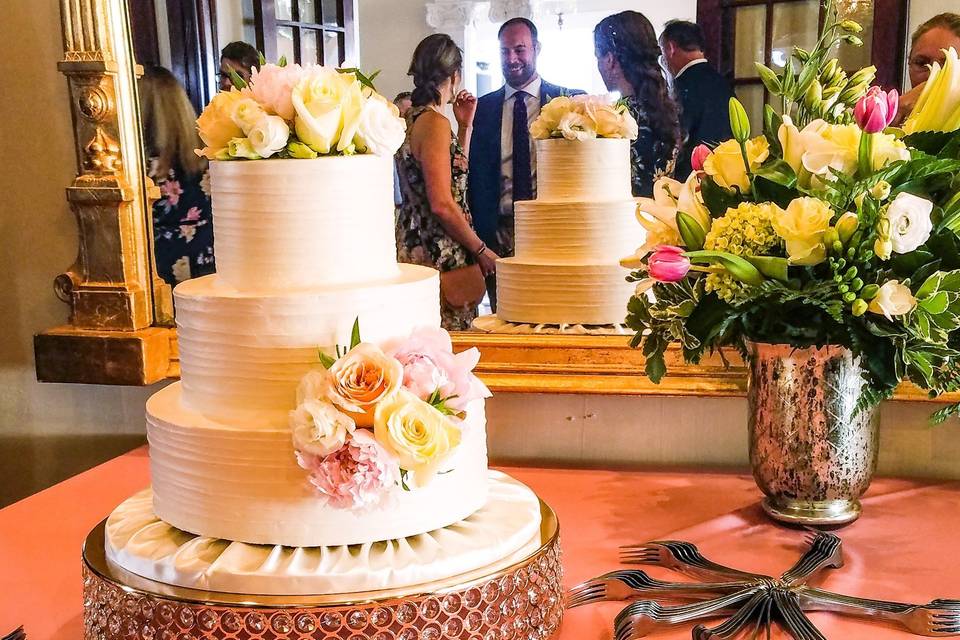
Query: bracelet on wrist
{"points": [[479, 252]]}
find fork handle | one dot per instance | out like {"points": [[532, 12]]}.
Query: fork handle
{"points": [[819, 600]]}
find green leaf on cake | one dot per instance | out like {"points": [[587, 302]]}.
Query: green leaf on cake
{"points": [[237, 81], [355, 334], [326, 360]]}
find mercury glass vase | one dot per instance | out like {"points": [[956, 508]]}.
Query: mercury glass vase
{"points": [[812, 453]]}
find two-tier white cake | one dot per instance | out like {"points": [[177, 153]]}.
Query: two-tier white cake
{"points": [[304, 249], [570, 239]]}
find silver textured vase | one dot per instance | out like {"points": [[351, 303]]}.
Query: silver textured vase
{"points": [[812, 454]]}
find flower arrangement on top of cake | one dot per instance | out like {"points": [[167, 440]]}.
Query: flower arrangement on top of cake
{"points": [[381, 418], [584, 117], [294, 111]]}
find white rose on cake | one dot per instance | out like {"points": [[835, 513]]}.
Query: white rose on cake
{"points": [[319, 428], [380, 130], [268, 135], [575, 126]]}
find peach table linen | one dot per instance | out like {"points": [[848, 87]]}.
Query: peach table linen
{"points": [[905, 547]]}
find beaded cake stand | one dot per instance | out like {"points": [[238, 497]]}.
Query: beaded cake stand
{"points": [[522, 600]]}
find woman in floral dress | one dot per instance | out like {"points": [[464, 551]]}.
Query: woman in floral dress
{"points": [[433, 223], [628, 59], [182, 221]]}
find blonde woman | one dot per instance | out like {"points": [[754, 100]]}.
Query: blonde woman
{"points": [[182, 222]]}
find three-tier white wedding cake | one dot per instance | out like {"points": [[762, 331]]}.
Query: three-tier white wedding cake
{"points": [[570, 239]]}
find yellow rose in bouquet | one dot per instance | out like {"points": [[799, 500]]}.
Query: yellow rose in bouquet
{"points": [[725, 165], [802, 227]]}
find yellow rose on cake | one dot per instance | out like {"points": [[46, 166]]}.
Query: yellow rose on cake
{"points": [[216, 125], [416, 433], [358, 381], [325, 101]]}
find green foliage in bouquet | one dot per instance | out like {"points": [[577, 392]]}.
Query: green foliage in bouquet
{"points": [[830, 227]]}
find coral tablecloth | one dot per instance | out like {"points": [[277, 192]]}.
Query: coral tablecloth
{"points": [[905, 547]]}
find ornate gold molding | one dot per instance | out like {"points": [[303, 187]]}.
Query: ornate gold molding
{"points": [[110, 288]]}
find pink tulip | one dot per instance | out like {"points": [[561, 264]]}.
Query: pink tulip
{"points": [[668, 264], [876, 109], [699, 156]]}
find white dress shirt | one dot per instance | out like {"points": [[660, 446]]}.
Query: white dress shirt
{"points": [[688, 65], [532, 89]]}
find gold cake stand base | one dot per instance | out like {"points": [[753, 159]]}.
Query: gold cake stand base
{"points": [[521, 601]]}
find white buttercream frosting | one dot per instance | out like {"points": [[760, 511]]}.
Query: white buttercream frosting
{"points": [[577, 232], [284, 225], [583, 170], [545, 293], [504, 530], [569, 240], [241, 482], [243, 354]]}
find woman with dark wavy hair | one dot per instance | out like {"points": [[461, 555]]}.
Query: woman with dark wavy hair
{"points": [[433, 223], [628, 60]]}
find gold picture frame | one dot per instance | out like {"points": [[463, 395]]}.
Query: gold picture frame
{"points": [[120, 312]]}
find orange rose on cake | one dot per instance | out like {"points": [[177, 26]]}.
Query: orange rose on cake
{"points": [[359, 380]]}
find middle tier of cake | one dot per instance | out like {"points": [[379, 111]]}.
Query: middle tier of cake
{"points": [[242, 354], [241, 481]]}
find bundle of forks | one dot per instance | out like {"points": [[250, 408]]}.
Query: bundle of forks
{"points": [[750, 602]]}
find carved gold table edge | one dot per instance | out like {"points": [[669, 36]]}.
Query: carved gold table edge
{"points": [[603, 365], [521, 599]]}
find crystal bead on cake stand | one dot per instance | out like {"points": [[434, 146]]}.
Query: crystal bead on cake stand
{"points": [[522, 600]]}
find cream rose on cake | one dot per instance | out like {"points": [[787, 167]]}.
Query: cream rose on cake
{"points": [[584, 117], [319, 428], [416, 433]]}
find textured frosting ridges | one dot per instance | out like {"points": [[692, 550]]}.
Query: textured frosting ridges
{"points": [[283, 225], [577, 232], [243, 354], [243, 483], [506, 529], [583, 170], [545, 293]]}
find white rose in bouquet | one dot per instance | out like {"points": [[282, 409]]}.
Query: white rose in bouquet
{"points": [[381, 130], [893, 299], [910, 222], [268, 135]]}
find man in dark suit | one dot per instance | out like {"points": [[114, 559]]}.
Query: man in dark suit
{"points": [[703, 94], [502, 156]]}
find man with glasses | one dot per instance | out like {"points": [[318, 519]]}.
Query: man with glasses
{"points": [[703, 94], [237, 57]]}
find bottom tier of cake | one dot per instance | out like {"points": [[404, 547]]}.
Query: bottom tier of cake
{"points": [[506, 527], [242, 482], [545, 293]]}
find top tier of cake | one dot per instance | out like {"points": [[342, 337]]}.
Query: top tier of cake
{"points": [[583, 170], [285, 225]]}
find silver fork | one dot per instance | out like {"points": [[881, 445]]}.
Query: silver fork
{"points": [[633, 584], [685, 558], [826, 550], [734, 625], [797, 623], [936, 618], [640, 618]]}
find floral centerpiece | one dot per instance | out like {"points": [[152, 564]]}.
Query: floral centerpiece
{"points": [[293, 111], [829, 235], [381, 418], [584, 117]]}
